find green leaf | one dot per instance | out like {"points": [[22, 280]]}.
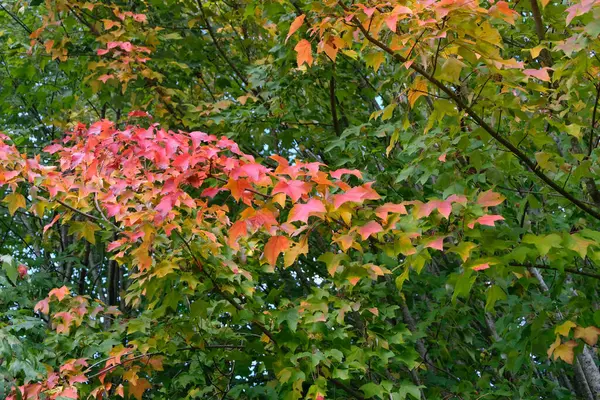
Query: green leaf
{"points": [[371, 390], [493, 294]]}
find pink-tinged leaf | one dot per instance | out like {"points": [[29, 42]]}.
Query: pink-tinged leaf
{"points": [[275, 246], [165, 206], [102, 52], [390, 208], [295, 189], [345, 241], [106, 77], [126, 46], [254, 171], [112, 209], [369, 229], [541, 74], [367, 10], [487, 220], [337, 174], [481, 267], [490, 199], [139, 17], [42, 306], [48, 226], [392, 21], [457, 198], [199, 137], [356, 195], [59, 293], [437, 244], [442, 158], [295, 26], [81, 378], [579, 8], [301, 212], [211, 192]]}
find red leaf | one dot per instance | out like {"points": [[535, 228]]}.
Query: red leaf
{"points": [[369, 229], [102, 52], [22, 270], [301, 212], [237, 230], [294, 189], [275, 246]]}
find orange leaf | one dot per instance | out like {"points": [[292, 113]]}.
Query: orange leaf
{"points": [[60, 293], [139, 388], [541, 74], [490, 199], [275, 246], [304, 50], [295, 26], [589, 334]]}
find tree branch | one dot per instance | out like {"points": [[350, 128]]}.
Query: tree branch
{"points": [[479, 120]]}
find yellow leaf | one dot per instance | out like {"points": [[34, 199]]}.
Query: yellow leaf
{"points": [[565, 328], [351, 53], [290, 256], [139, 388], [15, 201], [375, 60], [388, 112], [589, 334], [418, 89], [535, 52], [565, 351]]}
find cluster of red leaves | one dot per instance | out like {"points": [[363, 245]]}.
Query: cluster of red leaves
{"points": [[147, 181]]}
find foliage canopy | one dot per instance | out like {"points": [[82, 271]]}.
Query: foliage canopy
{"points": [[264, 199]]}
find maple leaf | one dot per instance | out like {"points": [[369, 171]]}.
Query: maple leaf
{"points": [[383, 211], [304, 50], [295, 189], [59, 293], [295, 26], [15, 201], [301, 212], [490, 199], [589, 334], [356, 194], [370, 228], [290, 256], [437, 243], [502, 10], [541, 74], [337, 174], [418, 89], [565, 328], [487, 220], [275, 246], [563, 351], [22, 270], [138, 389], [481, 267], [237, 230], [43, 306]]}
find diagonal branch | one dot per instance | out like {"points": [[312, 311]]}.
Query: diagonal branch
{"points": [[532, 165]]}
